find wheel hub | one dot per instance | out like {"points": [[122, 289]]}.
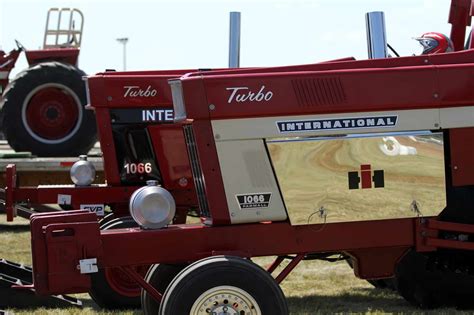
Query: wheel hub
{"points": [[52, 113], [225, 300]]}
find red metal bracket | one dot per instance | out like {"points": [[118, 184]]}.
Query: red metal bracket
{"points": [[275, 264], [145, 285], [286, 271], [422, 232], [9, 191], [428, 230]]}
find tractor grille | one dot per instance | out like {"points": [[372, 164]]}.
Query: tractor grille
{"points": [[317, 92], [196, 169]]}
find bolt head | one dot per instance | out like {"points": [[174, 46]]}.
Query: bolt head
{"points": [[183, 182]]}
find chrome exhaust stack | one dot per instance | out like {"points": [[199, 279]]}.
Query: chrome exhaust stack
{"points": [[234, 40], [376, 36]]}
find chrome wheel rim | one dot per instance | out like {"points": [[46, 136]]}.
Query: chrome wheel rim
{"points": [[225, 300]]}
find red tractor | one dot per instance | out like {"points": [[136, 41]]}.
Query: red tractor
{"points": [[411, 120], [391, 141], [43, 107], [133, 140]]}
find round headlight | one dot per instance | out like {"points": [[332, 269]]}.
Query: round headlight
{"points": [[152, 206], [82, 172]]}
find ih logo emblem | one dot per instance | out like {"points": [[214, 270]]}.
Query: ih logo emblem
{"points": [[364, 178]]}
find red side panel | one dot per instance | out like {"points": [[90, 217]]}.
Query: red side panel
{"points": [[66, 55], [209, 162], [57, 249], [107, 146], [171, 153], [462, 156]]}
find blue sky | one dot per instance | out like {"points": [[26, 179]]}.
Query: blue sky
{"points": [[194, 34]]}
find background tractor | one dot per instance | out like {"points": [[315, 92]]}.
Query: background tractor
{"points": [[43, 107]]}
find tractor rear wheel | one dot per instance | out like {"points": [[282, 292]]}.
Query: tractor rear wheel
{"points": [[111, 288], [223, 285], [43, 111], [439, 279]]}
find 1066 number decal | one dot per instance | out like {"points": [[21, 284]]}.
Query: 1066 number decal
{"points": [[138, 168]]}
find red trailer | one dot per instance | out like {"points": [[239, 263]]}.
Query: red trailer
{"points": [[420, 107]]}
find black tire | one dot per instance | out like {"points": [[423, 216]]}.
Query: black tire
{"points": [[101, 290], [118, 223], [415, 283], [159, 276], [43, 126], [431, 280], [206, 275]]}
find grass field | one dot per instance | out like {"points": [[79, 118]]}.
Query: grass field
{"points": [[315, 287]]}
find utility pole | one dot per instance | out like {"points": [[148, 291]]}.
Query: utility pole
{"points": [[124, 41]]}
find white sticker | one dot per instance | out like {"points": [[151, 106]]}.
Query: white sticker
{"points": [[96, 208], [64, 199]]}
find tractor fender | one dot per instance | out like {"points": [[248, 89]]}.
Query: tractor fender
{"points": [[63, 55]]}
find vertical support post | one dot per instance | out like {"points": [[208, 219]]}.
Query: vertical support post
{"points": [[376, 37], [234, 40], [10, 208], [460, 17]]}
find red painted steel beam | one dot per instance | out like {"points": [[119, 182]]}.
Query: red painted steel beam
{"points": [[145, 285], [9, 192], [189, 243], [286, 271], [275, 264], [93, 194], [436, 242], [89, 194], [450, 226]]}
